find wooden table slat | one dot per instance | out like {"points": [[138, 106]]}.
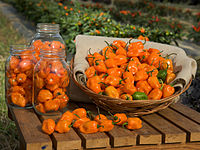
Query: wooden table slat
{"points": [[170, 133], [192, 128], [186, 111], [29, 127], [148, 135]]}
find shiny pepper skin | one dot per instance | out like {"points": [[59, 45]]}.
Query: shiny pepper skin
{"points": [[120, 118], [120, 59], [126, 97], [90, 72], [48, 126], [63, 126], [115, 72], [153, 59], [99, 65], [133, 123], [89, 127], [129, 88], [121, 51], [168, 90], [129, 78], [139, 96], [135, 48], [141, 75], [100, 118], [110, 63], [112, 92], [143, 86], [155, 94], [113, 80], [79, 113], [93, 84], [167, 64], [80, 121], [106, 125], [67, 116], [153, 82], [170, 77], [119, 43]]}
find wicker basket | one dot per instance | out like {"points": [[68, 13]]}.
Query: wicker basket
{"points": [[136, 107]]}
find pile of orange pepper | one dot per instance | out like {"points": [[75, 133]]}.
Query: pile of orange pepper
{"points": [[39, 45], [131, 72], [51, 79], [20, 75], [78, 119]]}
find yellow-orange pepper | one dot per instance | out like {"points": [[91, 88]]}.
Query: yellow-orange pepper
{"points": [[112, 92], [48, 126]]}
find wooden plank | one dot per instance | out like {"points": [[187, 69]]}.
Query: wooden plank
{"points": [[170, 133], [29, 127], [96, 140], [192, 128], [64, 141], [118, 136], [148, 135], [186, 111], [183, 146]]}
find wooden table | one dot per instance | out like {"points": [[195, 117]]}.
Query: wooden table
{"points": [[177, 127]]}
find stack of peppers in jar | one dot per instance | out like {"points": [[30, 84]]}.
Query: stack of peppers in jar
{"points": [[19, 76], [41, 78]]}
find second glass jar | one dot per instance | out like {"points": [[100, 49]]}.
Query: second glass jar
{"points": [[51, 82]]}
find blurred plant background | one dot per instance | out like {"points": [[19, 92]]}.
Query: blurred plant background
{"points": [[160, 22]]}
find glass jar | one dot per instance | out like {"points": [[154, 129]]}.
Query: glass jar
{"points": [[51, 82], [47, 36], [19, 76]]}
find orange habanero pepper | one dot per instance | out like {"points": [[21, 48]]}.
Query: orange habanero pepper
{"points": [[106, 125], [113, 80], [93, 84], [100, 117], [112, 92], [90, 72], [126, 97], [141, 75], [80, 121], [129, 88], [63, 126], [133, 123], [52, 105], [168, 90], [120, 59], [120, 118], [89, 127], [135, 48], [48, 126], [155, 94], [170, 77], [128, 76], [99, 65], [115, 72], [119, 43], [153, 82], [110, 63], [143, 86], [79, 113], [67, 116]]}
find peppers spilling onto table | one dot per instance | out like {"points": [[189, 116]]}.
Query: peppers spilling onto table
{"points": [[79, 119], [130, 72]]}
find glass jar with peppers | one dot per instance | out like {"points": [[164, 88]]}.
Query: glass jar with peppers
{"points": [[47, 36], [19, 76], [51, 82]]}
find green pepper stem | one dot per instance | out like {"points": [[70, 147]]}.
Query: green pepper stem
{"points": [[90, 51], [98, 126], [161, 85], [98, 112], [77, 115], [105, 54], [123, 125], [103, 84], [167, 56]]}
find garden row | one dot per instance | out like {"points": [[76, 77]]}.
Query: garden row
{"points": [[75, 18]]}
